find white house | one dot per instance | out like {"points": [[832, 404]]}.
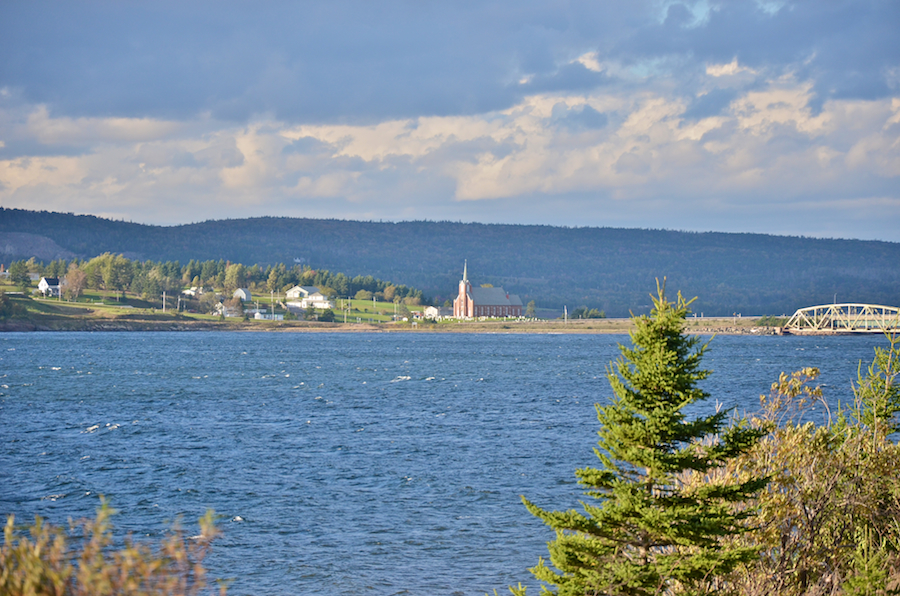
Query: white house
{"points": [[49, 286], [438, 312], [301, 291], [243, 294], [310, 297]]}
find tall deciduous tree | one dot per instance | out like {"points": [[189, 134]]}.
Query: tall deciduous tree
{"points": [[235, 277], [644, 531], [272, 282], [75, 282]]}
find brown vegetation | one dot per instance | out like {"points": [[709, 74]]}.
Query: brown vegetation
{"points": [[44, 562]]}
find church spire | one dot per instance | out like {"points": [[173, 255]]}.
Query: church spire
{"points": [[465, 270]]}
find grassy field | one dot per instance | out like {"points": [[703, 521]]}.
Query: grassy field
{"points": [[366, 311]]}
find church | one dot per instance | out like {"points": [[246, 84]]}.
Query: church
{"points": [[484, 302]]}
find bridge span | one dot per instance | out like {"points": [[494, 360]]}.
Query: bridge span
{"points": [[833, 319]]}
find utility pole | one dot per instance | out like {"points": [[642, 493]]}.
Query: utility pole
{"points": [[164, 301]]}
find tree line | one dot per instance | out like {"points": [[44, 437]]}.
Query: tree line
{"points": [[607, 269], [149, 279]]}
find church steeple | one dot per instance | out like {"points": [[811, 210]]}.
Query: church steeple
{"points": [[465, 270]]}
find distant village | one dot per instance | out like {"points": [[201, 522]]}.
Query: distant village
{"points": [[471, 302]]}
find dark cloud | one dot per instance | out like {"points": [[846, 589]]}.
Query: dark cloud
{"points": [[578, 118], [304, 146], [31, 148], [362, 61], [710, 104], [573, 77], [844, 47], [221, 155], [334, 61], [185, 159]]}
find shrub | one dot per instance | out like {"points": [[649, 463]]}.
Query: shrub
{"points": [[829, 520], [43, 563], [9, 308]]}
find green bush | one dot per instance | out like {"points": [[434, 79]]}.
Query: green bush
{"points": [[771, 321], [9, 308]]}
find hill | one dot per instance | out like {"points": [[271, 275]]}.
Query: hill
{"points": [[609, 269]]}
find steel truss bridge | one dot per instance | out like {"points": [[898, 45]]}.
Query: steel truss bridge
{"points": [[844, 318]]}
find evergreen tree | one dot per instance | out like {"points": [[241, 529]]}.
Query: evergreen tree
{"points": [[18, 274], [646, 530]]}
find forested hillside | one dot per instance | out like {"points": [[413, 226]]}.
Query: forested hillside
{"points": [[605, 268]]}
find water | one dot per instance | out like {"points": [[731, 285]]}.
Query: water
{"points": [[340, 463]]}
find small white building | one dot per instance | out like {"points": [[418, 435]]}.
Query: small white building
{"points": [[227, 311], [243, 294], [49, 286], [262, 316]]}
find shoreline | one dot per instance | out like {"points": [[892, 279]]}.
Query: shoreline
{"points": [[706, 326]]}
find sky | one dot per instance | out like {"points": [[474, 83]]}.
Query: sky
{"points": [[778, 117]]}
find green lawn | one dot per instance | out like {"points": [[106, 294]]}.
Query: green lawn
{"points": [[380, 312]]}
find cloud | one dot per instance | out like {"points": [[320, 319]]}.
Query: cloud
{"points": [[722, 70], [764, 145], [580, 113], [52, 131]]}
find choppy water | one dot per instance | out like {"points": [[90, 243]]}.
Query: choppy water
{"points": [[341, 463]]}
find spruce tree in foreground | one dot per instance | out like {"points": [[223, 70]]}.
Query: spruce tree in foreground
{"points": [[645, 531]]}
